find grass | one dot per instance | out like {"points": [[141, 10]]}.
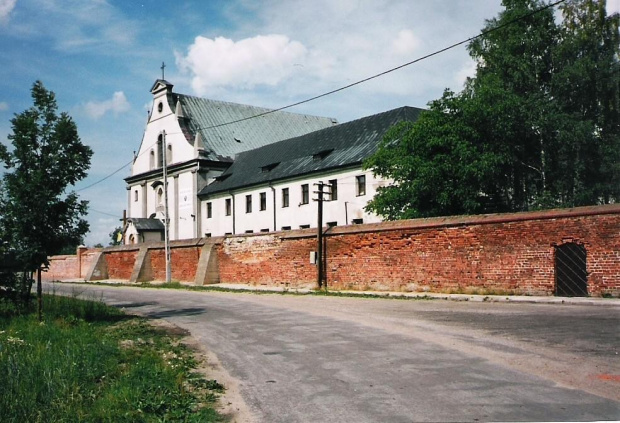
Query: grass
{"points": [[88, 362], [315, 292]]}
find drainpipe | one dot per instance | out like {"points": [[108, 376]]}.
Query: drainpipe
{"points": [[273, 191], [233, 211]]}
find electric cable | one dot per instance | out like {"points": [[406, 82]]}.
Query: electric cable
{"points": [[361, 81]]}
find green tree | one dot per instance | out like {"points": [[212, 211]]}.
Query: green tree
{"points": [[115, 236], [519, 136], [39, 217]]}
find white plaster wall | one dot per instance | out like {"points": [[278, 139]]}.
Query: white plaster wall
{"points": [[296, 214], [186, 200], [135, 207], [166, 120]]}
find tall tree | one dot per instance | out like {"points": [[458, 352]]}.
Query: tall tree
{"points": [[536, 127], [39, 217]]}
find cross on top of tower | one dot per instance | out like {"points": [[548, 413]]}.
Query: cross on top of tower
{"points": [[163, 66]]}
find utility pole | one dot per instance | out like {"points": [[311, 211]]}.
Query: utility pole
{"points": [[164, 152], [319, 235]]}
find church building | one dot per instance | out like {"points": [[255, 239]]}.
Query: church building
{"points": [[234, 168]]}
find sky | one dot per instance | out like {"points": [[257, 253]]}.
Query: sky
{"points": [[101, 57]]}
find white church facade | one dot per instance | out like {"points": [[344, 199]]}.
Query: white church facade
{"points": [[230, 172]]}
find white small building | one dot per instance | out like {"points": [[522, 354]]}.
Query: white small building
{"points": [[198, 138], [271, 188]]}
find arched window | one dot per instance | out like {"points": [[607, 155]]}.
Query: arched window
{"points": [[160, 150], [152, 160], [169, 154], [160, 196]]}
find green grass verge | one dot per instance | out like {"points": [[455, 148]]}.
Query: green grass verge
{"points": [[87, 362], [290, 291]]}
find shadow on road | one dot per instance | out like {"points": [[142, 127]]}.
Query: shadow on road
{"points": [[192, 311]]}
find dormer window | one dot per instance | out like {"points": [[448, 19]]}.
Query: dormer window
{"points": [[322, 154], [269, 167]]}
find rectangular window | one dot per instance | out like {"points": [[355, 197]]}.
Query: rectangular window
{"points": [[248, 204], [284, 197], [208, 235], [305, 194], [249, 231], [360, 183], [228, 207], [286, 228], [209, 210], [264, 230], [332, 224], [304, 226], [357, 221], [333, 187], [263, 201]]}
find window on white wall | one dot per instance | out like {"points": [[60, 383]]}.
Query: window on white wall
{"points": [[360, 185], [305, 194], [228, 207], [263, 201], [333, 189], [135, 195], [209, 210], [285, 197], [160, 150], [152, 160], [160, 196], [248, 204], [169, 154]]}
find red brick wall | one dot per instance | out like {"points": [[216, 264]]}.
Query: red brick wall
{"points": [[120, 263], [267, 259], [511, 253], [505, 253], [183, 259], [88, 257], [61, 268]]}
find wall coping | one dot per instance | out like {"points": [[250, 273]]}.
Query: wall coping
{"points": [[454, 221]]}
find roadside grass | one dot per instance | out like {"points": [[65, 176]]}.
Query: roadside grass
{"points": [[88, 362], [315, 292]]}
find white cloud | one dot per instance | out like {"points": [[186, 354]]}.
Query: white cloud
{"points": [[406, 43], [4, 106], [468, 70], [222, 62], [347, 41], [6, 7], [117, 104], [76, 25]]}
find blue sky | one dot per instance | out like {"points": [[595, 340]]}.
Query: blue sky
{"points": [[101, 57]]}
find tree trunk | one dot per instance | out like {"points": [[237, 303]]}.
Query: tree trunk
{"points": [[39, 295]]}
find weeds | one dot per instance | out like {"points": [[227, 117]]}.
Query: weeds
{"points": [[89, 362]]}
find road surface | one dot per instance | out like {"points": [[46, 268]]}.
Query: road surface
{"points": [[335, 359]]}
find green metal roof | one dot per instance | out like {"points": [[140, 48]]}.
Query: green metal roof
{"points": [[336, 147], [223, 141]]}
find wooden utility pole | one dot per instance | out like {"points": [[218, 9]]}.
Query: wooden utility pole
{"points": [[319, 236], [320, 262], [164, 153]]}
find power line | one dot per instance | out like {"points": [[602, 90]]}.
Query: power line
{"points": [[361, 81], [98, 211]]}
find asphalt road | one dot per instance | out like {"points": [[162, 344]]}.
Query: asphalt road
{"points": [[330, 359]]}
